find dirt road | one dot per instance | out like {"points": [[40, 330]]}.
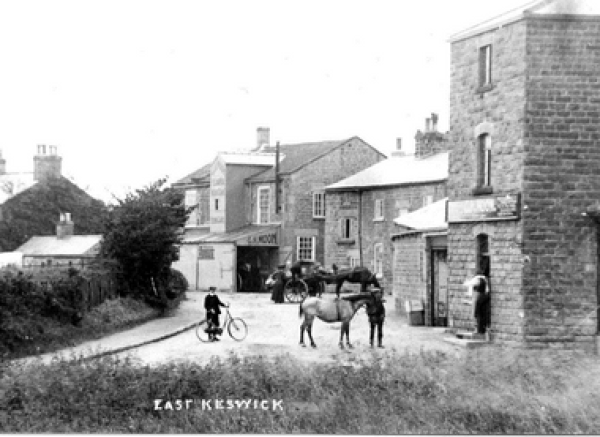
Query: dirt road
{"points": [[275, 329]]}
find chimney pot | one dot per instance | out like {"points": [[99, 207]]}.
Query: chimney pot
{"points": [[262, 138], [427, 124], [65, 227], [434, 122]]}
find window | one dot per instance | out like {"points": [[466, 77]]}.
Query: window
{"points": [[379, 209], [264, 201], [427, 200], [378, 259], [216, 204], [305, 248], [318, 205], [485, 66], [346, 228], [353, 262], [191, 201], [484, 156]]}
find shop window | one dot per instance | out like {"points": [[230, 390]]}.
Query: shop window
{"points": [[264, 201], [305, 248], [483, 255], [318, 205], [484, 161], [485, 66]]}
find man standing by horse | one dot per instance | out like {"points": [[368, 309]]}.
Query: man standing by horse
{"points": [[376, 313]]}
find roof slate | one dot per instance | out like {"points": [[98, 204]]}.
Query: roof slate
{"points": [[400, 170], [295, 156], [432, 216], [51, 245]]}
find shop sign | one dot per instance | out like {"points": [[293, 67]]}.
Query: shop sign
{"points": [[495, 208], [206, 252], [269, 239]]}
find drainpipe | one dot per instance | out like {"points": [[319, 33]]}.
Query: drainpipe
{"points": [[277, 178], [360, 250]]}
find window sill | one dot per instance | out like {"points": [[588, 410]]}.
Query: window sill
{"points": [[484, 89], [482, 191], [318, 218], [345, 241], [379, 219]]}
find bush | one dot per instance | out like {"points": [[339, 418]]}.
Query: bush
{"points": [[39, 315]]}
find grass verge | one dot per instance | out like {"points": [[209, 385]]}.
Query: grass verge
{"points": [[491, 392]]}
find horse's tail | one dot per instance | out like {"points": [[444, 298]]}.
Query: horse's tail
{"points": [[300, 311]]}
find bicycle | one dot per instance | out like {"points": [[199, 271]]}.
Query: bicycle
{"points": [[236, 327]]}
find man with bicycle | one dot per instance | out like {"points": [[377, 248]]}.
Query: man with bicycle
{"points": [[211, 305]]}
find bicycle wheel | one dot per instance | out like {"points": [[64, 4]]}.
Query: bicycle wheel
{"points": [[202, 331], [237, 329]]}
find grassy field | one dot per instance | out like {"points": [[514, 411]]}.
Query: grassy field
{"points": [[488, 392]]}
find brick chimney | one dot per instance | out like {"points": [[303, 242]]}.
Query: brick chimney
{"points": [[262, 138], [65, 227], [431, 141], [46, 164], [2, 164], [398, 152]]}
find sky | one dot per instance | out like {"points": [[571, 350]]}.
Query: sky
{"points": [[131, 91]]}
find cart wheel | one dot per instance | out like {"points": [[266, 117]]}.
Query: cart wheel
{"points": [[296, 291]]}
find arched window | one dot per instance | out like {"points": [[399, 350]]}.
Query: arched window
{"points": [[483, 255], [484, 161]]}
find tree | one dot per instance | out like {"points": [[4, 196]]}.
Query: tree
{"points": [[36, 210], [142, 234]]}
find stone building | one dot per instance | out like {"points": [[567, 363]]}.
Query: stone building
{"points": [[523, 181], [262, 207], [361, 208], [61, 250]]}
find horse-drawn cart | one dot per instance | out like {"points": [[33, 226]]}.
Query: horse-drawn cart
{"points": [[305, 279]]}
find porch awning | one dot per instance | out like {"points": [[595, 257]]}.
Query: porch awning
{"points": [[252, 235]]}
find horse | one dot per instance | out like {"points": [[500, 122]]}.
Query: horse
{"points": [[354, 275], [330, 311]]}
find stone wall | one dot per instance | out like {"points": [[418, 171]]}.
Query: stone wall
{"points": [[410, 273], [505, 279], [374, 231], [561, 180], [500, 112]]}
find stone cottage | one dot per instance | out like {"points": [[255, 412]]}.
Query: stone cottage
{"points": [[361, 208]]}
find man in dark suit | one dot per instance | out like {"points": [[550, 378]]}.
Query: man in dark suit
{"points": [[376, 313], [211, 305]]}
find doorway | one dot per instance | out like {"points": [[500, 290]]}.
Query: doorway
{"points": [[439, 288]]}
